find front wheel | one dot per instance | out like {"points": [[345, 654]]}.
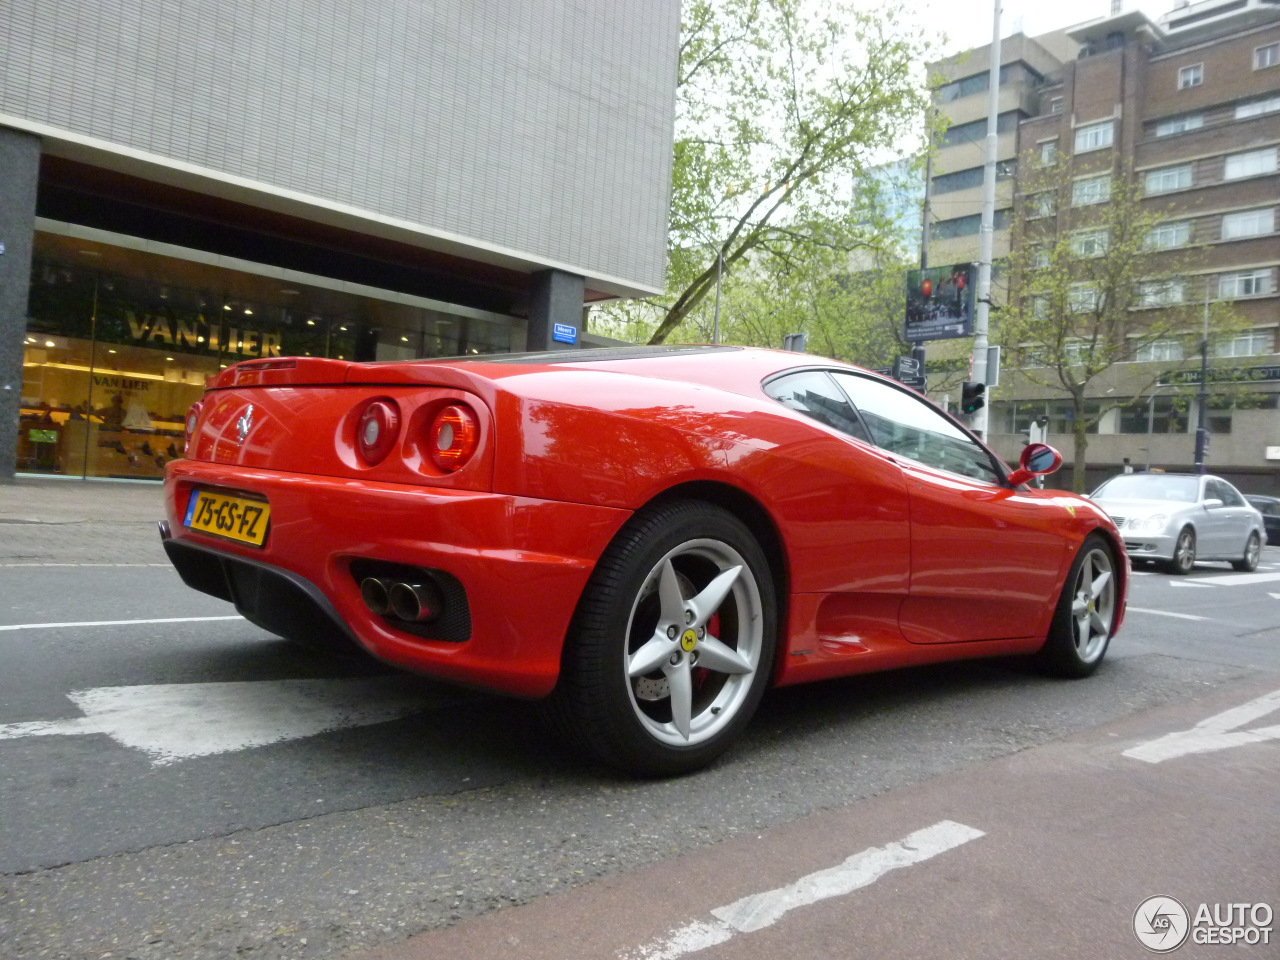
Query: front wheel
{"points": [[1184, 553], [1252, 554], [672, 645], [1086, 613]]}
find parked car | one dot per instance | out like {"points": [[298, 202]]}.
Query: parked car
{"points": [[1179, 518], [647, 538], [1269, 507]]}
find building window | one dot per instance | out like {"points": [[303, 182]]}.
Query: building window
{"points": [[1159, 350], [1040, 308], [1091, 243], [1169, 235], [1168, 178], [1159, 293], [1083, 298], [1251, 344], [1268, 56], [1167, 128], [977, 129], [1095, 136], [1091, 190], [1191, 76], [1048, 153], [1055, 105], [1156, 414], [1246, 283], [1249, 223], [1040, 258], [1041, 205], [967, 226], [1252, 164], [972, 177], [1256, 108]]}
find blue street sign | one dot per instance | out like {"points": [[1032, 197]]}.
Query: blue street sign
{"points": [[564, 333]]}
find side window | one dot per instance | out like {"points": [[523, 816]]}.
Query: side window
{"points": [[813, 393], [1230, 496], [906, 425], [1215, 489]]}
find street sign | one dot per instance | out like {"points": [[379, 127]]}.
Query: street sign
{"points": [[939, 303], [910, 372], [564, 333], [993, 366], [794, 342]]}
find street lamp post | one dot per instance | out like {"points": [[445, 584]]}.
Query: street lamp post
{"points": [[1202, 395]]}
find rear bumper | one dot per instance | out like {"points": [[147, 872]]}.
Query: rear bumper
{"points": [[522, 562]]}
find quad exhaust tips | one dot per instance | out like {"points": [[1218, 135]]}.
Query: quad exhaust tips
{"points": [[411, 602]]}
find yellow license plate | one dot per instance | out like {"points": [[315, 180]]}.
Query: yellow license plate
{"points": [[234, 517]]}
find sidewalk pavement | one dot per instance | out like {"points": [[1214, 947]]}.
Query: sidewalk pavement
{"points": [[80, 521]]}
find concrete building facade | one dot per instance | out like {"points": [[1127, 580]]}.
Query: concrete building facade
{"points": [[1187, 109], [188, 183]]}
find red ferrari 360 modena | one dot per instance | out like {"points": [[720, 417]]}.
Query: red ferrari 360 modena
{"points": [[646, 537]]}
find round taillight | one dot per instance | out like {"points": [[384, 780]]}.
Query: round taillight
{"points": [[377, 430], [454, 437], [193, 418]]}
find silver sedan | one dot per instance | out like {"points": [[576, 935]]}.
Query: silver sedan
{"points": [[1178, 518]]}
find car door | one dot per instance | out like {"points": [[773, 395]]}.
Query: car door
{"points": [[1215, 531], [1239, 520], [985, 559]]}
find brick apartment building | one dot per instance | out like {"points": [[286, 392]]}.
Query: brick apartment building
{"points": [[1189, 106]]}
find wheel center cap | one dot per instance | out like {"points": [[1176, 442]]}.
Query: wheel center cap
{"points": [[688, 640]]}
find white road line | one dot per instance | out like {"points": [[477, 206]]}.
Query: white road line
{"points": [[1216, 733], [1236, 579], [176, 721], [761, 910], [1165, 613], [169, 565], [1188, 583], [113, 623], [1141, 573]]}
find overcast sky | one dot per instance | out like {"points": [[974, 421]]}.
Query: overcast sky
{"points": [[967, 23]]}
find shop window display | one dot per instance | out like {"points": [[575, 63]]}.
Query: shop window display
{"points": [[112, 362]]}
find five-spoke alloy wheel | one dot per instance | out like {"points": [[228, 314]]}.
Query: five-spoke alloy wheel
{"points": [[672, 646], [1086, 613]]}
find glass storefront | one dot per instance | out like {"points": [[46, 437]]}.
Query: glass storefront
{"points": [[120, 341]]}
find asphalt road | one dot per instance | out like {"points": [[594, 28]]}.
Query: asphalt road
{"points": [[144, 818]]}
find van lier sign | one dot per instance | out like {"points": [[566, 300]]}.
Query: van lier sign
{"points": [[199, 335]]}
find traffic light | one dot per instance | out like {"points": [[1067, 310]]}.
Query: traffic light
{"points": [[972, 395]]}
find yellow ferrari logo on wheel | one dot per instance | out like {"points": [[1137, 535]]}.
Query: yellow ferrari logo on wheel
{"points": [[688, 641]]}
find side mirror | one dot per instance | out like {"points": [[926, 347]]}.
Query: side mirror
{"points": [[1037, 460], [1212, 502]]}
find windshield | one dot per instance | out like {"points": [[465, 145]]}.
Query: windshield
{"points": [[1149, 486]]}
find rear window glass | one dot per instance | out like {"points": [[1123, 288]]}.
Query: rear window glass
{"points": [[815, 394]]}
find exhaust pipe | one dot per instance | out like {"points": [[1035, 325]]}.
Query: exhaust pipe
{"points": [[375, 595], [415, 602]]}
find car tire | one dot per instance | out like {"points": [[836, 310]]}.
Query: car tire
{"points": [[1085, 616], [1252, 554], [1184, 553], [675, 561]]}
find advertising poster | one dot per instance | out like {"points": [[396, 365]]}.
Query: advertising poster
{"points": [[940, 303]]}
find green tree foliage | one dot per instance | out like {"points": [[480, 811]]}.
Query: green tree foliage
{"points": [[784, 110], [1092, 287]]}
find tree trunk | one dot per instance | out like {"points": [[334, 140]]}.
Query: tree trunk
{"points": [[1082, 450]]}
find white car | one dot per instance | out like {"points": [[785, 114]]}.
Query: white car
{"points": [[1178, 518]]}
